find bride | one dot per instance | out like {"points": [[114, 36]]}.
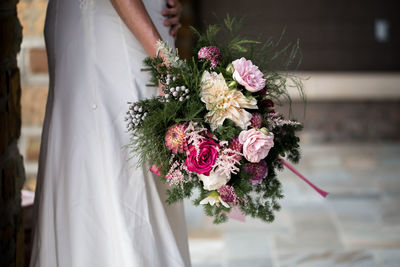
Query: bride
{"points": [[93, 207]]}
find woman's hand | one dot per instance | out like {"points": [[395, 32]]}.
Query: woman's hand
{"points": [[173, 13]]}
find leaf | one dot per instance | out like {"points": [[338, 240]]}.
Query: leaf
{"points": [[248, 42], [239, 48], [195, 31]]}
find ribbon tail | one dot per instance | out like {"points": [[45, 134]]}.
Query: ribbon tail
{"points": [[290, 167], [236, 214]]}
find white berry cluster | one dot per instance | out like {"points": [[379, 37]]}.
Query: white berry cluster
{"points": [[169, 78], [175, 92], [135, 115]]}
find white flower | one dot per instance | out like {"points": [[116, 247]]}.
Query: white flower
{"points": [[214, 199], [224, 103], [213, 181]]}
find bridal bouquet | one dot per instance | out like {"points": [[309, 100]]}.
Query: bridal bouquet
{"points": [[215, 129]]}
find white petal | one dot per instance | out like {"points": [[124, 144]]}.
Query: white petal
{"points": [[224, 203], [208, 200], [204, 201], [236, 76]]}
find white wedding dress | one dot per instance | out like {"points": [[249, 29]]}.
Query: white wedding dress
{"points": [[93, 207]]}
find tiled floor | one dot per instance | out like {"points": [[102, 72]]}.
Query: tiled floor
{"points": [[358, 224]]}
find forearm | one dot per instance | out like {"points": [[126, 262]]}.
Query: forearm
{"points": [[136, 18]]}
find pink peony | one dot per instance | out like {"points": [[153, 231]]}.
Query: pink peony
{"points": [[210, 53], [202, 161], [258, 170], [256, 145], [248, 75], [227, 193], [175, 139]]}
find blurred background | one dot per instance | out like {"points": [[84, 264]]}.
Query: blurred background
{"points": [[350, 143]]}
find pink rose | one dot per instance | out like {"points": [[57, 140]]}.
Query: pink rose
{"points": [[256, 145], [248, 75], [203, 162]]}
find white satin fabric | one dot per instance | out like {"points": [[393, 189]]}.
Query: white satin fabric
{"points": [[93, 207]]}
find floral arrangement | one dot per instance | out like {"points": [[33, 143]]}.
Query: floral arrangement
{"points": [[215, 129]]}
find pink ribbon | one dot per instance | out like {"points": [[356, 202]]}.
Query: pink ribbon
{"points": [[290, 167], [236, 214]]}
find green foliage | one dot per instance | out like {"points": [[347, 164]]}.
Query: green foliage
{"points": [[286, 143], [177, 193], [227, 131], [156, 67]]}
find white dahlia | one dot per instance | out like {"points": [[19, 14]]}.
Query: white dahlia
{"points": [[224, 103]]}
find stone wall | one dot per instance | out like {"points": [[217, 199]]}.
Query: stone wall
{"points": [[11, 163], [32, 61]]}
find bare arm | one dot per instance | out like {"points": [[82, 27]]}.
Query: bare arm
{"points": [[136, 18]]}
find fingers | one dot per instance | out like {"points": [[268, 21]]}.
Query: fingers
{"points": [[171, 21], [172, 3], [174, 30], [174, 8], [172, 12]]}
